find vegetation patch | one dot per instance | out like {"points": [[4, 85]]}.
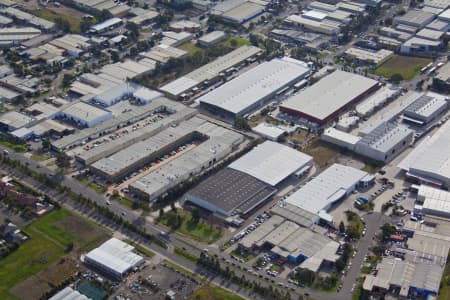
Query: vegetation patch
{"points": [[141, 249], [209, 292], [39, 157], [52, 16], [245, 255], [406, 66], [444, 291], [191, 225], [93, 185], [8, 143], [185, 254], [323, 153]]}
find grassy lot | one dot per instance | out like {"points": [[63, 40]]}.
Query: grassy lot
{"points": [[240, 41], [245, 255], [444, 292], [31, 257], [323, 153], [123, 200], [406, 66], [199, 231], [190, 48], [185, 254], [52, 16], [39, 156], [30, 268], [209, 292], [93, 185], [141, 249], [15, 147]]}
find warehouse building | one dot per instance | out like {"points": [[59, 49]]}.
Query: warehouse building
{"points": [[415, 275], [329, 187], [442, 79], [10, 36], [14, 120], [132, 158], [428, 162], [85, 114], [212, 38], [420, 46], [230, 192], [69, 294], [144, 18], [96, 6], [162, 53], [286, 239], [27, 18], [425, 109], [116, 122], [415, 18], [327, 27], [330, 96], [433, 201], [376, 101], [369, 56], [385, 142], [269, 131], [103, 150], [340, 138], [252, 89], [209, 72], [113, 258], [219, 143], [239, 11], [272, 163]]}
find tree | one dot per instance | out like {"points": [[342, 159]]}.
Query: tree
{"points": [[63, 25], [62, 160], [196, 214], [172, 207], [104, 15], [396, 78], [161, 213], [241, 123], [133, 30], [115, 56], [67, 79], [341, 227], [233, 43], [305, 277]]}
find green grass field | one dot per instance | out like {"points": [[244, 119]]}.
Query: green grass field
{"points": [[185, 254], [49, 237], [39, 157], [52, 16], [141, 249], [122, 200], [15, 147], [199, 231], [209, 292], [190, 48], [406, 66], [93, 185]]}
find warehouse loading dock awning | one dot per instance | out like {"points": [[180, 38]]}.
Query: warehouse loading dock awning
{"points": [[418, 122]]}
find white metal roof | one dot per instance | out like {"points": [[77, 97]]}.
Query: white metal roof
{"points": [[115, 255], [327, 187], [85, 111], [432, 156], [329, 94], [271, 162], [256, 84], [69, 294], [268, 130], [435, 199]]}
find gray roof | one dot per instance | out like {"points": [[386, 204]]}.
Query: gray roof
{"points": [[244, 91], [384, 137], [85, 111], [68, 294], [15, 119], [272, 162], [426, 105], [210, 70], [295, 214], [231, 190], [416, 17], [330, 94], [429, 158], [328, 187]]}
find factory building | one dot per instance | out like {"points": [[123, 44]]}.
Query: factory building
{"points": [[442, 79], [425, 109], [429, 162], [219, 143], [433, 201], [239, 11], [210, 72], [369, 56], [330, 96], [415, 18], [272, 163], [113, 258], [385, 142], [85, 114], [252, 89], [230, 192], [329, 187], [212, 38]]}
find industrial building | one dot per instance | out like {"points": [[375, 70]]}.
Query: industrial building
{"points": [[340, 138], [175, 39], [144, 18], [428, 162], [85, 114], [420, 46], [239, 11], [219, 143], [13, 120], [68, 294], [96, 6], [269, 131], [11, 36], [330, 96], [415, 18], [433, 201], [425, 109], [162, 53], [212, 38], [185, 25], [252, 89], [272, 163], [369, 56], [442, 79], [385, 142], [209, 72], [113, 258], [131, 115], [288, 240], [230, 192], [376, 101], [27, 18], [412, 275], [328, 27], [329, 187]]}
